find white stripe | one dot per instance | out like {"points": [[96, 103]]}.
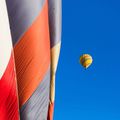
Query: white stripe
{"points": [[5, 38]]}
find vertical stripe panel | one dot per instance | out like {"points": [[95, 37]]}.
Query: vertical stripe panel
{"points": [[8, 89], [32, 55], [55, 38]]}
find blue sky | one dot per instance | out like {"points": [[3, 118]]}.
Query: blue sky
{"points": [[89, 26]]}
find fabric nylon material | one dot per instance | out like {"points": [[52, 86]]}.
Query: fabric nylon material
{"points": [[36, 107], [55, 21], [22, 14]]}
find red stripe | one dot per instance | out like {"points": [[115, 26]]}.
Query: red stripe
{"points": [[8, 94], [50, 111]]}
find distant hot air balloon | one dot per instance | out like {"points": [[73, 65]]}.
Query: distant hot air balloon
{"points": [[86, 60]]}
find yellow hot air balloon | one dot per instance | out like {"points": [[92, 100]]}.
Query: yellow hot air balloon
{"points": [[86, 60]]}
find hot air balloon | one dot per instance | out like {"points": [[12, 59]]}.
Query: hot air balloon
{"points": [[86, 60]]}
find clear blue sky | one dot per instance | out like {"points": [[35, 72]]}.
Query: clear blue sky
{"points": [[89, 26]]}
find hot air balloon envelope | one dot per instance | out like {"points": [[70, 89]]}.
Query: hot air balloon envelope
{"points": [[86, 60]]}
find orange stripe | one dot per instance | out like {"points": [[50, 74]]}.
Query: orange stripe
{"points": [[32, 56]]}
